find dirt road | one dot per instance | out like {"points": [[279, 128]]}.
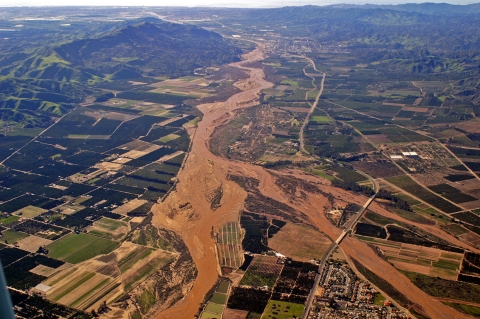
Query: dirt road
{"points": [[188, 210]]}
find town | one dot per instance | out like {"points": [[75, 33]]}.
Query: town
{"points": [[342, 294]]}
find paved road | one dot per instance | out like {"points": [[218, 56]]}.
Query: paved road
{"points": [[335, 244], [313, 105]]}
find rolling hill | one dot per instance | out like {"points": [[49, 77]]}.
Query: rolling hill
{"points": [[53, 79]]}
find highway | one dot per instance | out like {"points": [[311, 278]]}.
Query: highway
{"points": [[335, 244]]}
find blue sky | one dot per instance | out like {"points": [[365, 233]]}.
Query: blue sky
{"points": [[210, 3]]}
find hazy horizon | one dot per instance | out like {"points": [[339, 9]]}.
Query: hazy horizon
{"points": [[219, 3]]}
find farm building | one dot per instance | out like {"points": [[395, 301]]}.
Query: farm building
{"points": [[396, 156], [410, 154], [42, 289]]}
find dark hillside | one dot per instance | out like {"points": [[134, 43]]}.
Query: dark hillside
{"points": [[150, 49], [374, 26], [54, 79]]}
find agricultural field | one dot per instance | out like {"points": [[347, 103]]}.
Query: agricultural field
{"points": [[466, 309], [299, 242], [235, 314], [29, 212], [262, 133], [410, 186], [364, 229], [80, 288], [270, 280], [262, 272], [128, 207], [295, 281], [108, 228], [423, 260], [427, 156], [455, 229], [256, 227], [470, 271], [33, 243], [401, 232], [282, 310], [80, 187], [190, 86], [19, 268], [247, 299], [269, 132], [216, 303], [105, 277], [229, 245], [75, 248], [438, 287], [11, 236]]}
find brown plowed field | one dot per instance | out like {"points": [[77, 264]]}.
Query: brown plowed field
{"points": [[188, 209]]}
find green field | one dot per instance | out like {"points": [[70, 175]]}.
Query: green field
{"points": [[5, 221], [469, 310], [451, 256], [109, 228], [259, 279], [73, 285], [75, 248], [443, 288], [321, 119], [347, 174], [168, 138], [407, 198], [219, 298], [214, 308], [447, 264], [11, 236], [282, 310], [109, 224], [194, 122], [207, 315], [146, 301], [132, 258], [321, 174], [289, 82], [30, 211], [223, 287], [379, 299], [147, 269]]}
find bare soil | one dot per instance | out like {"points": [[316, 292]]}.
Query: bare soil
{"points": [[235, 314], [43, 271], [128, 207], [471, 126], [300, 242], [32, 243]]}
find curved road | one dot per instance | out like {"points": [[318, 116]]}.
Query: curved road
{"points": [[313, 105]]}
